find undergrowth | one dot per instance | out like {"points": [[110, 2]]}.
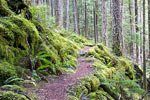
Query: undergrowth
{"points": [[113, 77]]}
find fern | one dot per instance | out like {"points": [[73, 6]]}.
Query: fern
{"points": [[42, 57], [13, 79], [120, 81]]}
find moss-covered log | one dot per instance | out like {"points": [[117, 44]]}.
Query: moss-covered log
{"points": [[111, 93]]}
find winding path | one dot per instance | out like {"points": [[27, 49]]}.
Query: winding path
{"points": [[56, 90]]}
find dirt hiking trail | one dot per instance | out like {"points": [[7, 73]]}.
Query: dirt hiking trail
{"points": [[56, 89]]}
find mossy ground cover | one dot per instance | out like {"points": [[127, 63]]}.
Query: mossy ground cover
{"points": [[112, 76]]}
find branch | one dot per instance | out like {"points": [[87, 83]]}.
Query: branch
{"points": [[29, 55], [145, 95]]}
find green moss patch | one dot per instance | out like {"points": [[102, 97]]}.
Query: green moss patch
{"points": [[11, 96], [4, 10]]}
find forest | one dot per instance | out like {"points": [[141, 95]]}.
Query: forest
{"points": [[74, 49]]}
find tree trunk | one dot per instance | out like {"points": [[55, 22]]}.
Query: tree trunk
{"points": [[60, 12], [132, 31], [137, 32], [95, 21], [141, 35], [104, 23], [67, 15], [121, 24], [116, 28], [95, 39], [52, 8], [78, 17], [75, 19], [85, 14], [144, 59], [149, 25]]}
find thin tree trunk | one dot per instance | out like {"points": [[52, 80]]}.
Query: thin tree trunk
{"points": [[96, 20], [132, 30], [60, 13], [144, 59], [52, 8], [137, 32], [104, 23], [121, 25], [75, 16], [149, 25], [78, 17], [85, 14], [56, 11], [67, 15], [94, 24]]}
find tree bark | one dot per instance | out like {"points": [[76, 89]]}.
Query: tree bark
{"points": [[86, 23], [75, 19], [141, 34], [132, 31], [144, 58], [67, 15], [96, 21], [60, 13], [52, 8], [149, 25], [104, 23], [137, 32], [121, 24], [116, 28], [95, 39]]}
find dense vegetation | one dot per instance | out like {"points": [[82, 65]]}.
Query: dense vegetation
{"points": [[31, 49]]}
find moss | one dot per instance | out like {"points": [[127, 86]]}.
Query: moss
{"points": [[126, 67], [73, 98], [117, 49], [103, 54], [12, 96], [4, 10], [104, 95], [92, 96], [95, 83], [79, 40], [6, 71], [91, 83], [14, 31]]}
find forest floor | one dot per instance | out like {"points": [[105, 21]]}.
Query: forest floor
{"points": [[56, 89]]}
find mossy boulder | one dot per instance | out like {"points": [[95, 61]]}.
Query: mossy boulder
{"points": [[11, 96], [91, 83], [14, 33]]}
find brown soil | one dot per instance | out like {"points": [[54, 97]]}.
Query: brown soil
{"points": [[56, 89]]}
